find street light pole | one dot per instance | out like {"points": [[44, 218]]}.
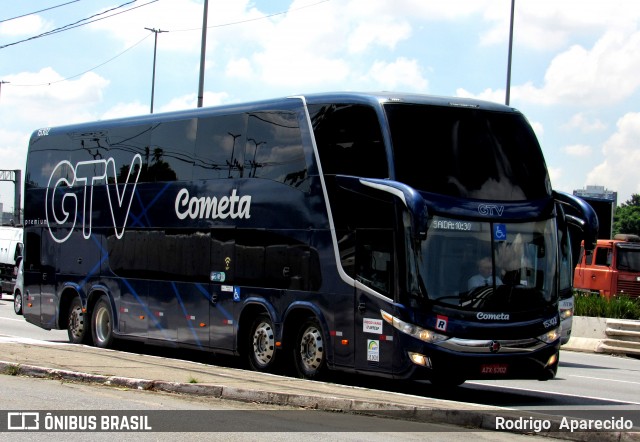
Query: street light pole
{"points": [[203, 50], [155, 46], [508, 93]]}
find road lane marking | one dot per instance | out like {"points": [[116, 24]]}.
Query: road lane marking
{"points": [[13, 319], [554, 393], [602, 379], [23, 340]]}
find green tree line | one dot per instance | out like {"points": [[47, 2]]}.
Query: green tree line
{"points": [[626, 218]]}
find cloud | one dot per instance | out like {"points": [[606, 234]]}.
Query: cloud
{"points": [[603, 75], [619, 170], [578, 150], [494, 95], [24, 27], [385, 33], [583, 124], [402, 73], [43, 98]]}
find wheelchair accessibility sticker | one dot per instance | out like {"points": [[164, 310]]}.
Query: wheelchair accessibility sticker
{"points": [[499, 232]]}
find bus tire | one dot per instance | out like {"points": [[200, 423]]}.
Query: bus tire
{"points": [[261, 345], [77, 323], [17, 302], [102, 323], [309, 353]]}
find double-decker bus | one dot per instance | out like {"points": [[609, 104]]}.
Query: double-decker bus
{"points": [[336, 231]]}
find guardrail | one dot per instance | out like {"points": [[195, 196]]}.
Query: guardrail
{"points": [[605, 335]]}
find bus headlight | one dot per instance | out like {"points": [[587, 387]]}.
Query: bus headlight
{"points": [[413, 330], [566, 314], [550, 336]]}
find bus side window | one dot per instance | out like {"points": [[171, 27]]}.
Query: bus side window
{"points": [[219, 152], [374, 265], [273, 149], [349, 140]]}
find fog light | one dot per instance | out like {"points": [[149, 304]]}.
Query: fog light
{"points": [[552, 360], [419, 359]]}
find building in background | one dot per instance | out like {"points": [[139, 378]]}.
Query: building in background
{"points": [[604, 203]]}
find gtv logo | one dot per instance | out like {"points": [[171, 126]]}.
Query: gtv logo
{"points": [[62, 202], [490, 209]]}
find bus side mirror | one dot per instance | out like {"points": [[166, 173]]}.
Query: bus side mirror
{"points": [[410, 199]]}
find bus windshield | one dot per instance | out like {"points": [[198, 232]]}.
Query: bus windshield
{"points": [[507, 267], [480, 154]]}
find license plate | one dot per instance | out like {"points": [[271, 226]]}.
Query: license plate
{"points": [[493, 369]]}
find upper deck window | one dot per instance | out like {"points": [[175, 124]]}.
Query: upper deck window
{"points": [[349, 140], [469, 153]]}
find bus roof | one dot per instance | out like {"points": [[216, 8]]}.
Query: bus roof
{"points": [[372, 98]]}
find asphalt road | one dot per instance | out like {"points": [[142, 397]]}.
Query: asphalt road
{"points": [[585, 381]]}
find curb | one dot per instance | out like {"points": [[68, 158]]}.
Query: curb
{"points": [[481, 419]]}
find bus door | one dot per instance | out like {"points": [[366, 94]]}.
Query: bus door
{"points": [[374, 269], [39, 304]]}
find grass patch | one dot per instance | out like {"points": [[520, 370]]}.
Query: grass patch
{"points": [[12, 370], [618, 307], [193, 380]]}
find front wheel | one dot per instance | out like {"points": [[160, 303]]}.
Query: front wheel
{"points": [[77, 324], [309, 350], [102, 323], [261, 350]]}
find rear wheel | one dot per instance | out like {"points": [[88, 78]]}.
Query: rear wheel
{"points": [[17, 302], [77, 323], [309, 350], [102, 323], [261, 348]]}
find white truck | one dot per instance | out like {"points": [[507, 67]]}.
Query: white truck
{"points": [[10, 256]]}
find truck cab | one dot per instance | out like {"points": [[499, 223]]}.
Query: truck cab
{"points": [[10, 256], [612, 268]]}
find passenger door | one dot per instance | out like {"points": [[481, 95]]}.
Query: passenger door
{"points": [[375, 283], [39, 304]]}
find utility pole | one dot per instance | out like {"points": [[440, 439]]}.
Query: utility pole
{"points": [[203, 50], [507, 97], [155, 46]]}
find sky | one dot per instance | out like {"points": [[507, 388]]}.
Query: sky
{"points": [[575, 65]]}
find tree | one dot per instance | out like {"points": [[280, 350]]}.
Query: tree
{"points": [[627, 216]]}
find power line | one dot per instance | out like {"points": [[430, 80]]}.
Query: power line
{"points": [[82, 22], [253, 19], [37, 12], [148, 35], [88, 70]]}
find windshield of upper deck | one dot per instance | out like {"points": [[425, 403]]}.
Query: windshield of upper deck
{"points": [[467, 152]]}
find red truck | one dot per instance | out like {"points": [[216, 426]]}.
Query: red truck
{"points": [[612, 268]]}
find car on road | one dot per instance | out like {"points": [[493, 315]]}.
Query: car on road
{"points": [[18, 290]]}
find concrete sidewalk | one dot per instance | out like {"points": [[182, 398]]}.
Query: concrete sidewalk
{"points": [[146, 372]]}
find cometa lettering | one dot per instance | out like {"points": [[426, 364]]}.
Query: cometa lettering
{"points": [[493, 316], [232, 206]]}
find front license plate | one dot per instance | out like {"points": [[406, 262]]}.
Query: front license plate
{"points": [[493, 368]]}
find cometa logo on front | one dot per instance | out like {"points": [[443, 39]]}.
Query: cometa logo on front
{"points": [[492, 316]]}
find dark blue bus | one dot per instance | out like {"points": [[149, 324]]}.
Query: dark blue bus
{"points": [[320, 232]]}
